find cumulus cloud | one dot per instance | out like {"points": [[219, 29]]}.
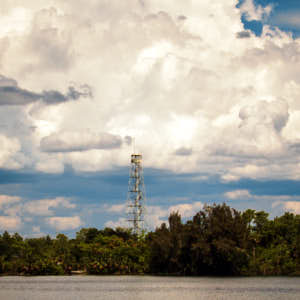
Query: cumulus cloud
{"points": [[274, 113], [238, 194], [246, 194], [10, 223], [194, 86], [277, 204], [255, 12], [79, 141], [290, 206], [121, 222], [258, 132], [6, 199], [64, 223], [186, 210], [43, 207], [116, 208], [36, 232], [19, 213], [10, 147], [247, 171], [50, 165]]}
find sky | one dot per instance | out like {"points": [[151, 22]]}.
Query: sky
{"points": [[208, 90]]}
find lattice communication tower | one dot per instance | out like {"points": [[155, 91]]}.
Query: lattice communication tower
{"points": [[136, 195]]}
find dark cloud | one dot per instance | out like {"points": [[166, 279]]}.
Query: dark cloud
{"points": [[12, 94], [128, 140], [6, 82], [294, 147], [182, 18], [183, 151], [243, 34], [85, 91]]}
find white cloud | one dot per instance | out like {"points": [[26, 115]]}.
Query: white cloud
{"points": [[13, 206], [255, 12], [6, 199], [36, 229], [238, 194], [121, 222], [155, 216], [19, 213], [36, 232], [79, 141], [50, 165], [247, 171], [116, 208], [291, 206], [186, 210], [177, 79], [64, 223], [10, 223], [8, 150], [16, 23], [257, 134], [13, 210], [246, 194], [43, 207]]}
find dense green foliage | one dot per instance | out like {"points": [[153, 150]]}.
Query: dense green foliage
{"points": [[222, 241], [218, 241], [94, 251]]}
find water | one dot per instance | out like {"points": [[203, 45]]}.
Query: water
{"points": [[147, 287]]}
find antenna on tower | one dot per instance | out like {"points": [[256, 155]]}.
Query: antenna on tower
{"points": [[136, 195]]}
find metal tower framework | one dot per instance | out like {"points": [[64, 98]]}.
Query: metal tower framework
{"points": [[136, 195]]}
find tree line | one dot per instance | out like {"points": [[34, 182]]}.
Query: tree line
{"points": [[218, 241]]}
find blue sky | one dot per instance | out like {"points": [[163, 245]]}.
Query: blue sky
{"points": [[209, 90], [285, 15]]}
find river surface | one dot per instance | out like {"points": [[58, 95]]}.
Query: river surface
{"points": [[147, 287]]}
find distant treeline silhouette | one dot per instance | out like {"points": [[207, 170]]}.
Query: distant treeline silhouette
{"points": [[219, 240]]}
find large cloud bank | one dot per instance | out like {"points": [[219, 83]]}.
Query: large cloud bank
{"points": [[196, 91]]}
